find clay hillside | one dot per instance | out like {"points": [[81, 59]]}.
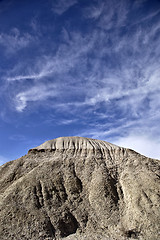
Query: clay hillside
{"points": [[79, 188]]}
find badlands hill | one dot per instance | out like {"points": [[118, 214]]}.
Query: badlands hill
{"points": [[80, 188]]}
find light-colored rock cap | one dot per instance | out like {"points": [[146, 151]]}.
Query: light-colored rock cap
{"points": [[75, 143]]}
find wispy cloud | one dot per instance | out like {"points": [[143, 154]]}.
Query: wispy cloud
{"points": [[109, 14], [67, 121], [17, 137], [143, 144], [110, 71], [66, 58], [61, 6], [57, 69], [14, 40], [94, 11], [130, 84], [37, 93]]}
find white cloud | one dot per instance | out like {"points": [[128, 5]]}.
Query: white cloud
{"points": [[61, 6], [116, 69], [110, 14], [17, 137], [129, 136], [56, 68], [33, 76], [131, 86], [15, 40], [24, 77], [67, 121], [37, 93], [68, 57], [94, 11], [145, 145], [149, 16]]}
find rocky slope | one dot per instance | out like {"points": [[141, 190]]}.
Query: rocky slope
{"points": [[80, 188]]}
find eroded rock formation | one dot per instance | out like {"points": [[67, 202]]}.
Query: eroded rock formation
{"points": [[80, 188]]}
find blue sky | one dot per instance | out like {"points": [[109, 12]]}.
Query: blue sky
{"points": [[79, 68]]}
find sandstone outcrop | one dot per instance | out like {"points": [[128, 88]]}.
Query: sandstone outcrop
{"points": [[80, 188]]}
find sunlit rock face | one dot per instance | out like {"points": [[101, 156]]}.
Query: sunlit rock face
{"points": [[80, 188]]}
